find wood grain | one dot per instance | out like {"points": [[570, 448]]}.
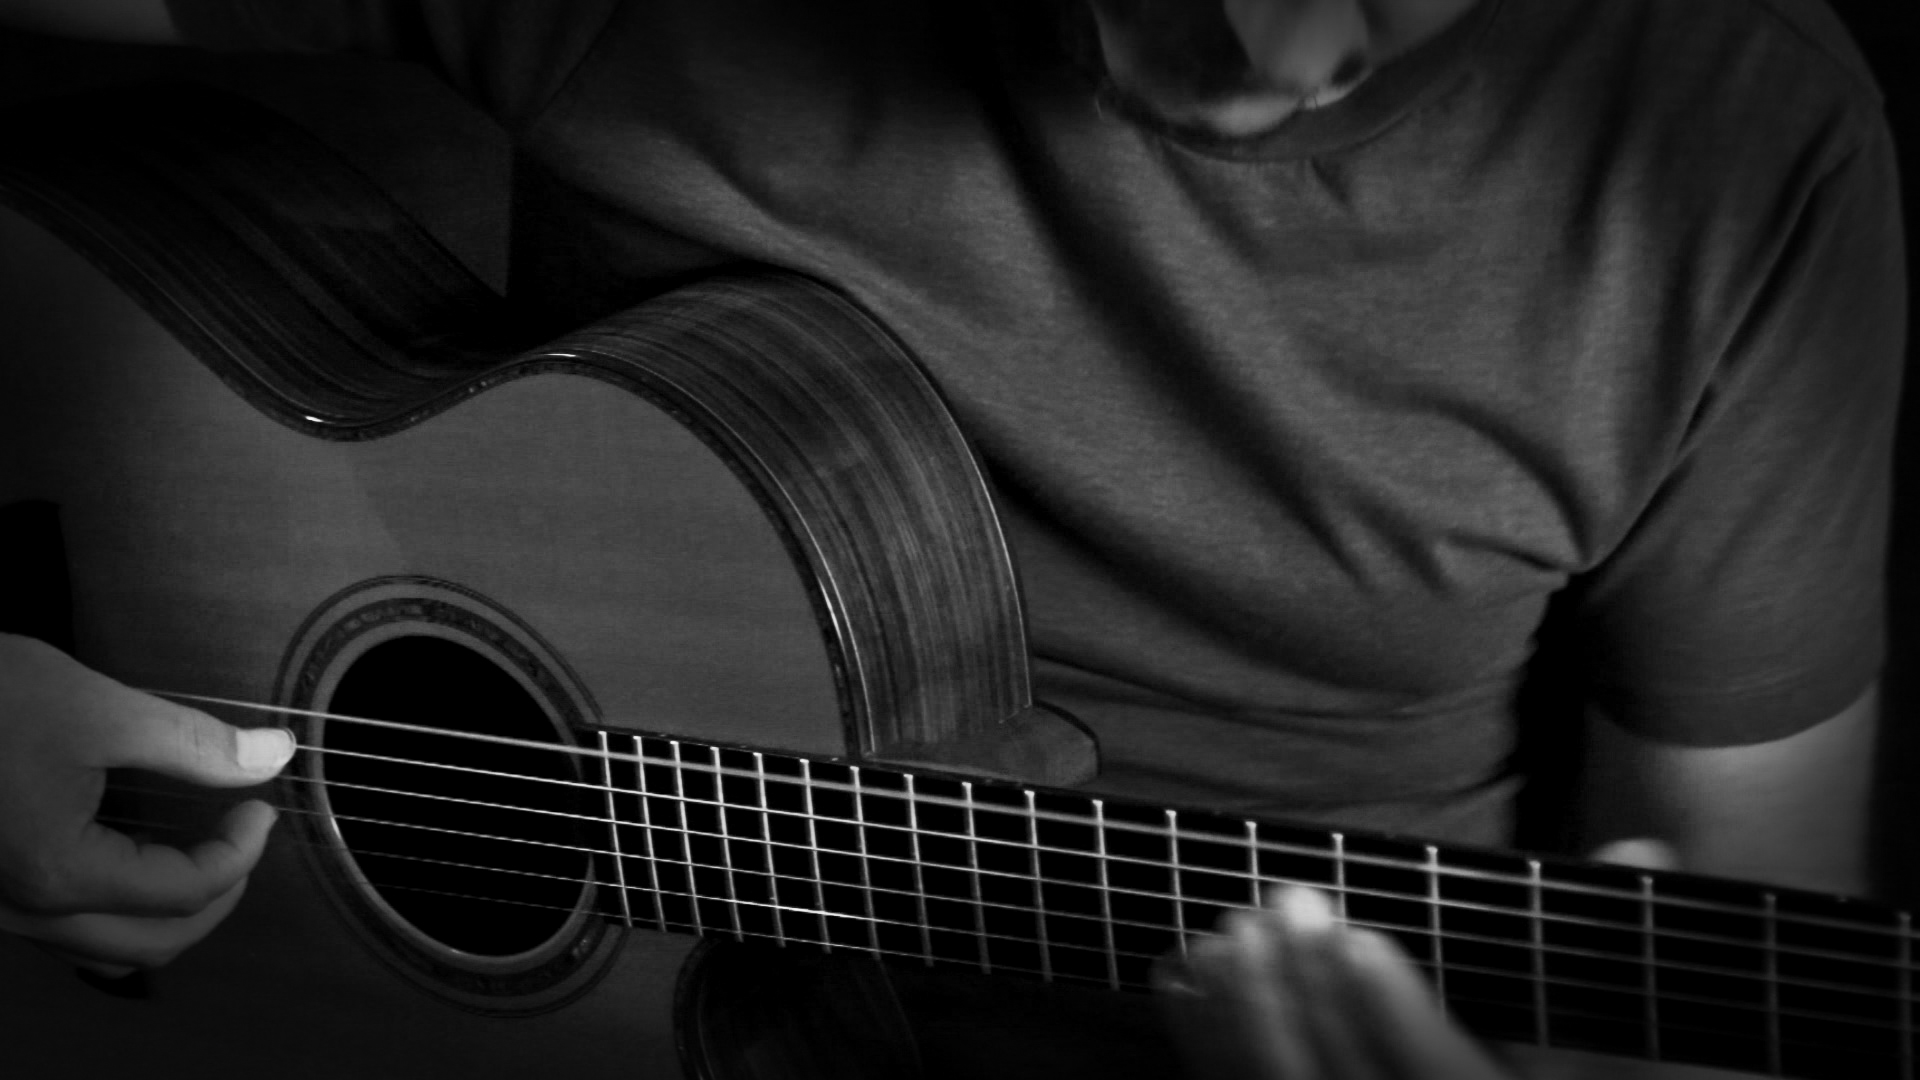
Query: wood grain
{"points": [[297, 284], [248, 382]]}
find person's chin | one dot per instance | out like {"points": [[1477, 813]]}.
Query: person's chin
{"points": [[1238, 117]]}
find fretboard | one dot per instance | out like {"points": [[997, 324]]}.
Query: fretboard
{"points": [[1063, 886]]}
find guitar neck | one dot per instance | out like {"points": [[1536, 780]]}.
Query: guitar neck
{"points": [[1068, 887]]}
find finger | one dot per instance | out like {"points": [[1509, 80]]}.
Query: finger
{"points": [[1415, 1037], [1170, 976], [1210, 1027], [1642, 852], [112, 945], [1321, 979], [1257, 958], [148, 732], [1185, 1010], [113, 873]]}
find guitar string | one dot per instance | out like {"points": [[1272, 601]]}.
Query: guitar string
{"points": [[1852, 1020], [1238, 842], [1023, 879], [1236, 875], [1557, 950], [1455, 998], [1239, 877]]}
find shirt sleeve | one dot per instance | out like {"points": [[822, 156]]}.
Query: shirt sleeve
{"points": [[509, 58], [1748, 601]]}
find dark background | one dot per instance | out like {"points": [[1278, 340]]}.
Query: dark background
{"points": [[448, 165]]}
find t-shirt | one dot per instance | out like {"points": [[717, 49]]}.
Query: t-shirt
{"points": [[1576, 332]]}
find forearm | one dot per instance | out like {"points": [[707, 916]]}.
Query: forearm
{"points": [[1791, 812], [131, 21]]}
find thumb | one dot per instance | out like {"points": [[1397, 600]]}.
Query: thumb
{"points": [[1643, 853], [153, 733]]}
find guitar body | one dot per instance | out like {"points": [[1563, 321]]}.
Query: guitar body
{"points": [[200, 533], [268, 486]]}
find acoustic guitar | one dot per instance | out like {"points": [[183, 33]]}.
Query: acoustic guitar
{"points": [[693, 625]]}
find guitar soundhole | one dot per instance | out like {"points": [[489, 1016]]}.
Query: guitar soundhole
{"points": [[479, 844]]}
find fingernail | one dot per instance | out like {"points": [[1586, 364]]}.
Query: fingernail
{"points": [[1305, 910], [265, 749]]}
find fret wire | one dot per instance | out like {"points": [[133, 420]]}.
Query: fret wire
{"points": [[726, 859], [1139, 985], [719, 769], [919, 872], [646, 832], [1254, 880], [1577, 1013], [1392, 928], [1388, 862], [1031, 972], [1692, 1029], [1433, 922], [1537, 931], [973, 861], [1905, 962], [1650, 958], [1277, 847], [1378, 893], [766, 830], [1339, 897], [1006, 968], [693, 896], [1560, 981], [1106, 892], [1340, 875], [813, 850], [1039, 901], [1907, 998], [686, 832], [866, 876], [1179, 894], [1465, 968], [542, 746], [613, 834], [1772, 938]]}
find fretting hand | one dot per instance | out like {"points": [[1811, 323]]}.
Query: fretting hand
{"points": [[1290, 992], [1287, 992], [103, 900]]}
